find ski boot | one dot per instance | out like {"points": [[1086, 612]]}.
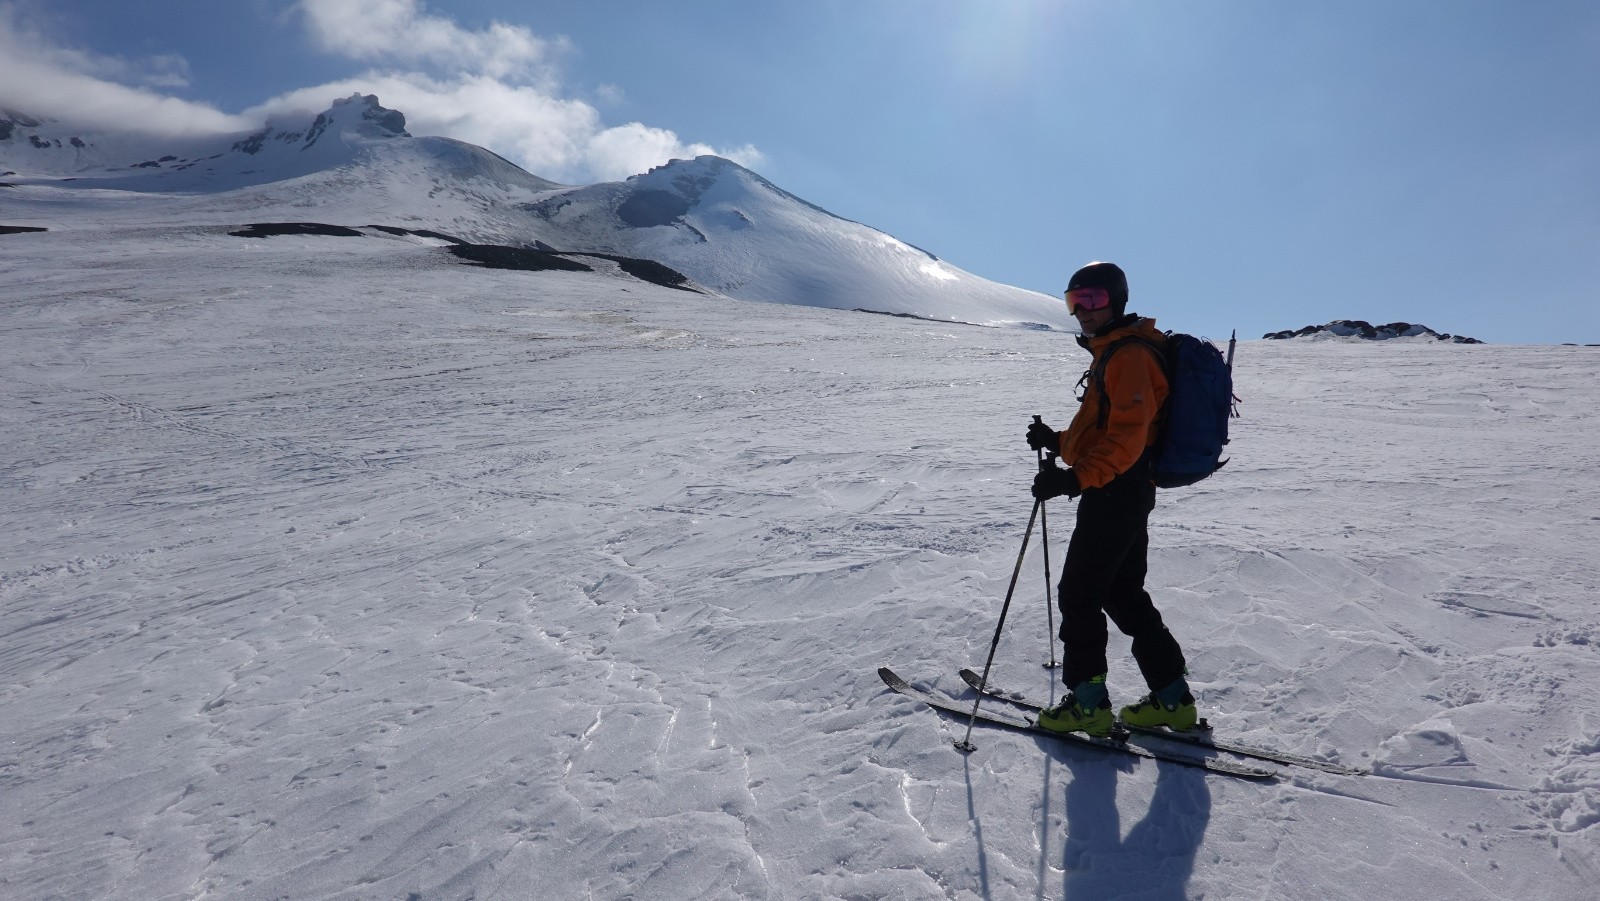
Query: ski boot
{"points": [[1171, 707], [1086, 709]]}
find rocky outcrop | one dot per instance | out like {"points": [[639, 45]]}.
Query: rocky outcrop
{"points": [[1356, 328]]}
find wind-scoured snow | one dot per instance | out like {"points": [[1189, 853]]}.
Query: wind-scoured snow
{"points": [[337, 567]]}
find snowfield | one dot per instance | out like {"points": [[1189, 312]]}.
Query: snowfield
{"points": [[340, 568]]}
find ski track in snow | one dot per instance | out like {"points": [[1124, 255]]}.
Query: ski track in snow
{"points": [[336, 568]]}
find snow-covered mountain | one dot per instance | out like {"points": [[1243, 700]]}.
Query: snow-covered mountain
{"points": [[734, 231], [725, 227], [355, 133]]}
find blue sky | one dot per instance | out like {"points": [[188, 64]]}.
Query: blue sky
{"points": [[1252, 163]]}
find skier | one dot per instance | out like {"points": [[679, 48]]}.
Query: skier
{"points": [[1110, 475]]}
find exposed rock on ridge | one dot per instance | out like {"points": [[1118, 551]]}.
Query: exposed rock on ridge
{"points": [[1356, 328]]}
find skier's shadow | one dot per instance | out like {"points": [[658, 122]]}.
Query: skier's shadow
{"points": [[1155, 861]]}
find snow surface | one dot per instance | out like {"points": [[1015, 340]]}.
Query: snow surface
{"points": [[337, 568]]}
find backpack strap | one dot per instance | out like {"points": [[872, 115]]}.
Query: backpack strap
{"points": [[1096, 375]]}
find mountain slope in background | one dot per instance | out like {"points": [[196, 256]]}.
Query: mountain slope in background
{"points": [[735, 232], [353, 132], [722, 225]]}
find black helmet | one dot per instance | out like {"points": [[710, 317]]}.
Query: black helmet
{"points": [[1108, 276]]}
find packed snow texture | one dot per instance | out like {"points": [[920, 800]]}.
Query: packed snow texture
{"points": [[337, 567]]}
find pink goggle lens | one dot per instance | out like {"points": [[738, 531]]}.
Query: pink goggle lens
{"points": [[1087, 299]]}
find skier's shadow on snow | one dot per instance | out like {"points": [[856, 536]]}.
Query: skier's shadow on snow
{"points": [[1155, 860]]}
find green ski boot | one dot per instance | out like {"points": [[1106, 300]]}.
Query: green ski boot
{"points": [[1152, 712], [1091, 718]]}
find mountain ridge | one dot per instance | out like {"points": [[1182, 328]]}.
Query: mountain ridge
{"points": [[721, 225]]}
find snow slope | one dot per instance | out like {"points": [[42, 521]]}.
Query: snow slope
{"points": [[354, 164], [732, 230], [335, 568]]}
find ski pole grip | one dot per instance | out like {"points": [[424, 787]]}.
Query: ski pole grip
{"points": [[1045, 457]]}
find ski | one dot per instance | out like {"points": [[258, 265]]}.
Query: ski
{"points": [[1201, 738], [1022, 724]]}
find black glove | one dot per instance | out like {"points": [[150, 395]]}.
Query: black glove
{"points": [[1053, 482], [1042, 437]]}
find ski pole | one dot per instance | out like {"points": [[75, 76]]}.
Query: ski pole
{"points": [[1047, 460], [965, 745]]}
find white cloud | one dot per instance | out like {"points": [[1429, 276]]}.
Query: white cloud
{"points": [[400, 30], [552, 137], [624, 150], [166, 71], [40, 77], [498, 87]]}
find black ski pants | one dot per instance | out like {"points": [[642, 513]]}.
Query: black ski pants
{"points": [[1104, 576]]}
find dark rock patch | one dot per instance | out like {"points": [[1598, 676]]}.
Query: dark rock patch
{"points": [[419, 232], [543, 257], [497, 256], [940, 321], [252, 144], [645, 209], [648, 271], [10, 119], [267, 229], [548, 208], [318, 126], [387, 119], [440, 236], [20, 229]]}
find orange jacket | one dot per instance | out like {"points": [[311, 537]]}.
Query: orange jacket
{"points": [[1137, 387]]}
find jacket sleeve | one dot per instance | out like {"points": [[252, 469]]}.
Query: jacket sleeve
{"points": [[1137, 387]]}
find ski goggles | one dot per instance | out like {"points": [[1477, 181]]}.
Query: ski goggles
{"points": [[1087, 299]]}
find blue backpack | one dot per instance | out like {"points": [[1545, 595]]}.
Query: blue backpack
{"points": [[1194, 422]]}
